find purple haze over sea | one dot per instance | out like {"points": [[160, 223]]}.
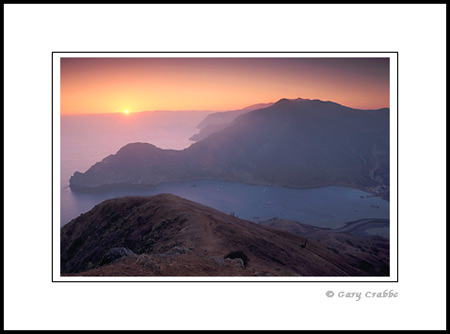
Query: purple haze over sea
{"points": [[88, 139]]}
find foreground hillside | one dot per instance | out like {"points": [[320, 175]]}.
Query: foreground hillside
{"points": [[294, 143], [166, 235]]}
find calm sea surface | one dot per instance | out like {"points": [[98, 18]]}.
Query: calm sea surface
{"points": [[83, 146]]}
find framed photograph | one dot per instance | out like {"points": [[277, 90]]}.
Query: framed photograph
{"points": [[225, 167]]}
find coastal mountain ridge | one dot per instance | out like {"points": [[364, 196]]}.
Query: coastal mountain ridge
{"points": [[296, 143], [217, 121]]}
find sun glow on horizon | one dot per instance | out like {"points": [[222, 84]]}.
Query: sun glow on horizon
{"points": [[100, 85]]}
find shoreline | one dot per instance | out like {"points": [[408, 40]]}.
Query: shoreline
{"points": [[123, 186]]}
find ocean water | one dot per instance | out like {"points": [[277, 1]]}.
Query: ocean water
{"points": [[325, 207], [85, 141]]}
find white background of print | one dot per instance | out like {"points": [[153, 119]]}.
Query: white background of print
{"points": [[32, 32]]}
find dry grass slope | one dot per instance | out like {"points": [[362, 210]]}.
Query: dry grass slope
{"points": [[166, 235]]}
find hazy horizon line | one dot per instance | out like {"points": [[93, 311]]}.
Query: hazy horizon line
{"points": [[212, 111]]}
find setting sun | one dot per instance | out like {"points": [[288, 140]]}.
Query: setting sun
{"points": [[100, 85], [126, 111]]}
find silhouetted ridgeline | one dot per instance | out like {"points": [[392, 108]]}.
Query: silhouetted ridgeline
{"points": [[295, 143], [220, 120], [229, 116]]}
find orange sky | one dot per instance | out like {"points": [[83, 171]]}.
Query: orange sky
{"points": [[108, 85]]}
